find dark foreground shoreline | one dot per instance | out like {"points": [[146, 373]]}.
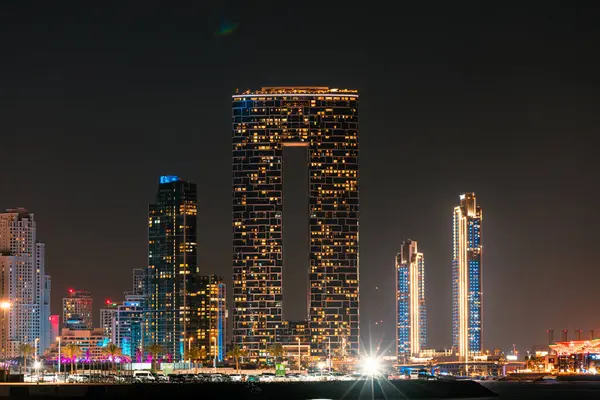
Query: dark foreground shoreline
{"points": [[277, 390]]}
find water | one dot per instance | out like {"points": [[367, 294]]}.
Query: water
{"points": [[544, 390]]}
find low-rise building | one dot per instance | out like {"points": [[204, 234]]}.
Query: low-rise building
{"points": [[90, 341]]}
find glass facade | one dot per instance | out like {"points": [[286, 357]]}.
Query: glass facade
{"points": [[128, 320], [466, 277], [172, 259], [325, 121], [411, 311]]}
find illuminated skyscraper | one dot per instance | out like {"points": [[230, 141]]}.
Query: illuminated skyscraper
{"points": [[466, 277], [24, 285], [172, 259], [325, 122], [77, 310], [208, 300], [411, 329]]}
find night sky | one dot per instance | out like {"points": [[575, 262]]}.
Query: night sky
{"points": [[97, 102]]}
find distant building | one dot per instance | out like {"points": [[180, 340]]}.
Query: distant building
{"points": [[25, 287], [137, 288], [208, 300], [466, 277], [411, 328], [107, 318], [138, 281], [77, 310], [54, 323], [575, 356], [128, 319], [172, 261], [90, 341]]}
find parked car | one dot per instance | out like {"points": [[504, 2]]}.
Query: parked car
{"points": [[235, 377], [160, 377], [143, 377], [177, 378], [78, 378], [267, 377]]}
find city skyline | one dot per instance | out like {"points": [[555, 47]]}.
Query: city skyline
{"points": [[486, 99]]}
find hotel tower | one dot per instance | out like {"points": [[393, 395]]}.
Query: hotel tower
{"points": [[325, 122], [466, 277], [411, 329]]}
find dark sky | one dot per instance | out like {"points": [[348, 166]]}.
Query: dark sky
{"points": [[97, 101]]}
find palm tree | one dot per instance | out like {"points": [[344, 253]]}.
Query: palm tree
{"points": [[25, 349], [236, 353], [276, 351], [71, 351], [155, 349], [111, 350]]}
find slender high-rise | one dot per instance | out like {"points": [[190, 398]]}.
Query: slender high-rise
{"points": [[411, 328], [466, 277], [209, 302], [24, 284], [324, 121], [172, 260], [107, 319]]}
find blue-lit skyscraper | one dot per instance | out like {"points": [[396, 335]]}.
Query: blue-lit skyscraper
{"points": [[128, 320], [466, 277], [172, 260], [411, 328]]}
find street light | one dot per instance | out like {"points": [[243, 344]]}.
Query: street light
{"points": [[58, 340], [35, 354], [190, 350], [215, 357], [299, 356], [329, 353]]}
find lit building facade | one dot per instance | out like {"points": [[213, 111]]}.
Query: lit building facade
{"points": [[128, 319], [209, 303], [411, 328], [24, 282], [90, 341], [466, 277], [172, 261], [107, 318], [325, 122], [77, 310]]}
